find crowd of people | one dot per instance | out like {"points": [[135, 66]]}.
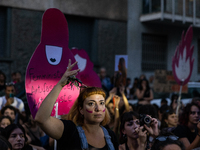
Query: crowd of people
{"points": [[100, 119]]}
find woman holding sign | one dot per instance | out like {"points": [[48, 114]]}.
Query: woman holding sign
{"points": [[84, 128]]}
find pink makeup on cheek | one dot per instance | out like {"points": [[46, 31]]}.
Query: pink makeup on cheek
{"points": [[104, 110], [88, 111]]}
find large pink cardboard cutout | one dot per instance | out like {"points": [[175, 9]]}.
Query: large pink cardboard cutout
{"points": [[48, 64], [87, 75], [182, 63]]}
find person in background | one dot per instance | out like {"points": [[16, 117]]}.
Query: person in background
{"points": [[142, 76], [196, 100], [9, 111], [162, 110], [15, 134], [131, 134], [174, 103], [123, 104], [122, 70], [169, 120], [188, 130], [133, 89], [10, 99], [127, 88], [2, 83], [33, 131], [105, 80], [167, 141], [163, 102], [19, 86], [114, 114], [144, 93], [5, 121]]}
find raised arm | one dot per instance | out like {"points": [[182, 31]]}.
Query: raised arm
{"points": [[111, 94], [126, 104], [51, 125]]}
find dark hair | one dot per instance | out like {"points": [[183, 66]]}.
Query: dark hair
{"points": [[196, 99], [164, 100], [1, 72], [184, 117], [8, 107], [165, 116], [172, 99], [127, 116], [4, 144], [148, 109], [159, 145], [9, 129], [147, 84], [8, 117], [164, 108]]}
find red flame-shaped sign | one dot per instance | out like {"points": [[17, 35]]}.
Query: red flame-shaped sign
{"points": [[182, 63]]}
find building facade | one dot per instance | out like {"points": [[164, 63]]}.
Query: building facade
{"points": [[99, 27], [148, 31], [154, 31]]}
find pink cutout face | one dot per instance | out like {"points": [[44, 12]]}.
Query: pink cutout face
{"points": [[48, 64], [87, 75]]}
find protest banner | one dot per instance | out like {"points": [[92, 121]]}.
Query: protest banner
{"points": [[49, 62]]}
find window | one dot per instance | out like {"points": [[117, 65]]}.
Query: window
{"points": [[154, 52], [81, 31]]}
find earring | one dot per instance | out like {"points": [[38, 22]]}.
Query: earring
{"points": [[124, 136]]}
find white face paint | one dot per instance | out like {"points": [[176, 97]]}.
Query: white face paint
{"points": [[53, 54], [81, 62]]}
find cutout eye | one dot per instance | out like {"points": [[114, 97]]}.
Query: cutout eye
{"points": [[53, 54], [81, 62]]}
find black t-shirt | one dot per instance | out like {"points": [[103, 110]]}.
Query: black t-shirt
{"points": [[184, 132], [71, 140]]}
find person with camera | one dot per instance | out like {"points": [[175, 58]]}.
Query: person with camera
{"points": [[134, 130]]}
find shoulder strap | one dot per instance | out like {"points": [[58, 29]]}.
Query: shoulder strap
{"points": [[84, 143], [108, 139]]}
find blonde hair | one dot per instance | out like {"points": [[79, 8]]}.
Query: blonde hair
{"points": [[74, 113]]}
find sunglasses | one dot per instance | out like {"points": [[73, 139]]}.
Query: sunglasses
{"points": [[194, 112], [164, 138]]}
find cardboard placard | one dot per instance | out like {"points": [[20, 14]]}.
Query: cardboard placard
{"points": [[48, 64], [164, 82]]}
